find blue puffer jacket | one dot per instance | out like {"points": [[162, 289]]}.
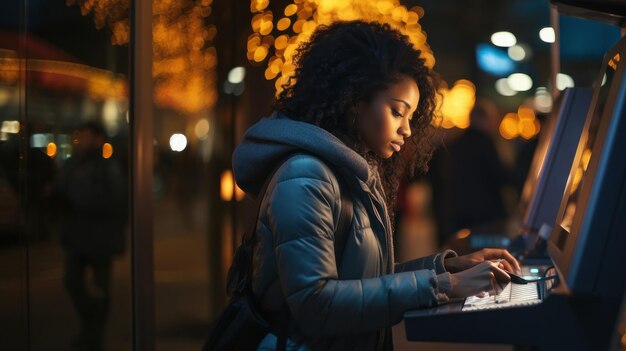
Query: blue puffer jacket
{"points": [[350, 308]]}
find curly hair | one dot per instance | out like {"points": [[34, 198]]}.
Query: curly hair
{"points": [[346, 63]]}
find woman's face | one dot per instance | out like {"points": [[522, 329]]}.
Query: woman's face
{"points": [[384, 121]]}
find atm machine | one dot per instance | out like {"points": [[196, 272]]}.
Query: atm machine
{"points": [[577, 310], [546, 178]]}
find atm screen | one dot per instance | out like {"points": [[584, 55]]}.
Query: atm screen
{"points": [[579, 173]]}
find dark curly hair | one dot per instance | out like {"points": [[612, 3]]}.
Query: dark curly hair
{"points": [[349, 62]]}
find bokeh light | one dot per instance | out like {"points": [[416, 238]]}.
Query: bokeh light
{"points": [[543, 100], [564, 81], [51, 149], [202, 129], [503, 39], [455, 105], [301, 19], [522, 124], [503, 88], [184, 57], [227, 183], [517, 53], [520, 82], [547, 34], [236, 75], [107, 150], [178, 142]]}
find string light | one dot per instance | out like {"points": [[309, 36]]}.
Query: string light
{"points": [[184, 57], [303, 16]]}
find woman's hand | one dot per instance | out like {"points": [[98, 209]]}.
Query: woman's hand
{"points": [[461, 263], [485, 276]]}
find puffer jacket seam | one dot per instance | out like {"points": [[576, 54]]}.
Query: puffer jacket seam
{"points": [[315, 289], [302, 178], [332, 300], [299, 238]]}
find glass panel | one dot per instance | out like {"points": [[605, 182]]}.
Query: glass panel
{"points": [[13, 318], [76, 175], [184, 66]]}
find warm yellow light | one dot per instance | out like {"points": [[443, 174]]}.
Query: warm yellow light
{"points": [[289, 51], [276, 65], [184, 58], [297, 26], [463, 233], [291, 10], [624, 340], [266, 27], [526, 128], [283, 23], [312, 13], [447, 123], [261, 5], [226, 185], [399, 13], [305, 13], [281, 42], [10, 127], [509, 126], [526, 113], [578, 176], [51, 149], [586, 158], [411, 17], [107, 150], [269, 74], [202, 128], [308, 26], [267, 41], [457, 104], [239, 194], [260, 53], [384, 7], [254, 41], [256, 22]]}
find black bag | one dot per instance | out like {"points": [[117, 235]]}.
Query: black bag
{"points": [[241, 326]]}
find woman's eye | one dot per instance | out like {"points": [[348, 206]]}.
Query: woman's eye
{"points": [[396, 113]]}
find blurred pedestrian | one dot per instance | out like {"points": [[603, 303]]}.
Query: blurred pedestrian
{"points": [[91, 196]]}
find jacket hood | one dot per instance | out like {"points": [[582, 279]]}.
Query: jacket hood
{"points": [[273, 138]]}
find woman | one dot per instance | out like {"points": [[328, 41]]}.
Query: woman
{"points": [[361, 92]]}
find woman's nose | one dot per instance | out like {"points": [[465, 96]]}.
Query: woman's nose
{"points": [[405, 128]]}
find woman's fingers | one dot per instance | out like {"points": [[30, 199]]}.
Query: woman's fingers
{"points": [[515, 267], [494, 284], [509, 262], [505, 265], [500, 274]]}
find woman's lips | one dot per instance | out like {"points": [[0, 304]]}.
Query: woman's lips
{"points": [[396, 147]]}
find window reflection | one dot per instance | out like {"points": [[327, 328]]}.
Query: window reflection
{"points": [[63, 181]]}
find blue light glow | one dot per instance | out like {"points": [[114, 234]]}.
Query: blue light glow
{"points": [[494, 60]]}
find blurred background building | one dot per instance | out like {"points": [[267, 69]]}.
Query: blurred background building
{"points": [[216, 66]]}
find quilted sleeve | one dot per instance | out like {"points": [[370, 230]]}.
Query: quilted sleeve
{"points": [[303, 213]]}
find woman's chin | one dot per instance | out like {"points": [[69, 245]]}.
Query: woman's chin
{"points": [[386, 154]]}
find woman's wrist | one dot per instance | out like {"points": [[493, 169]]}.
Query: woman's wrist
{"points": [[444, 265], [444, 283], [450, 264]]}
